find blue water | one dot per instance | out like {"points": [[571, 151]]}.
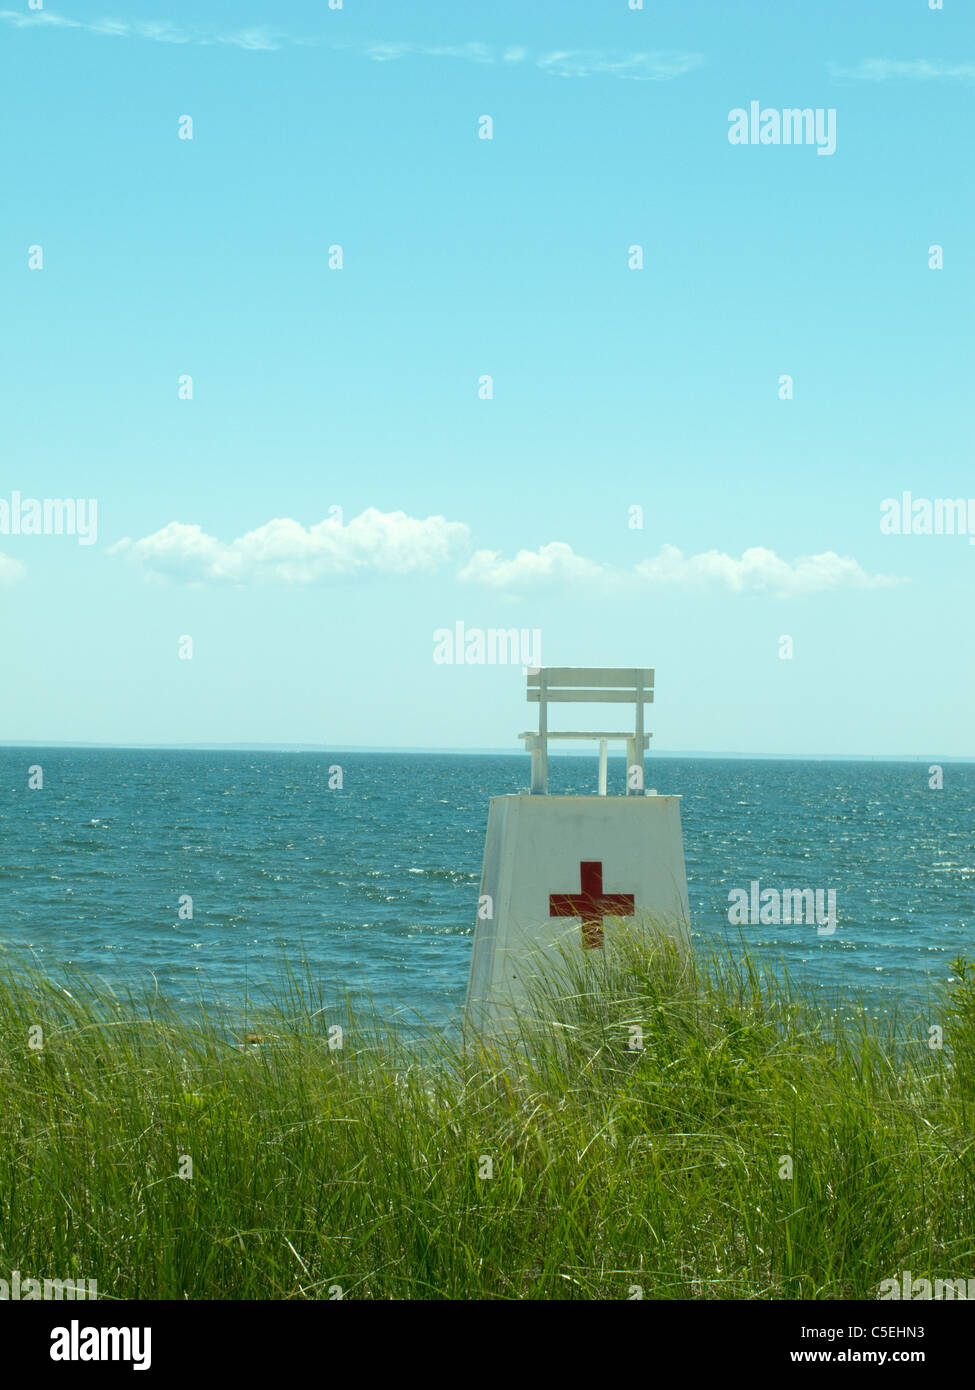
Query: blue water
{"points": [[376, 884]]}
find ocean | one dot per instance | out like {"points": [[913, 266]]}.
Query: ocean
{"points": [[374, 884]]}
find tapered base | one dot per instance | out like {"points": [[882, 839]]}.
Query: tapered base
{"points": [[558, 870]]}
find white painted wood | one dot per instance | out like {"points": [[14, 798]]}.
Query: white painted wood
{"points": [[542, 777], [637, 747], [535, 849], [584, 676], [590, 697], [619, 735], [603, 751], [589, 685], [537, 783]]}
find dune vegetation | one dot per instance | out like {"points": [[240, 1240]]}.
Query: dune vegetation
{"points": [[660, 1128]]}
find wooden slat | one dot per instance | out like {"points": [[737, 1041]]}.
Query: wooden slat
{"points": [[590, 677], [583, 733], [598, 697]]}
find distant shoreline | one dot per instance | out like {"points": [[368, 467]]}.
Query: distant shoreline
{"points": [[654, 754]]}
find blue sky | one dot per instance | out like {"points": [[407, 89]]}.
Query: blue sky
{"points": [[358, 388]]}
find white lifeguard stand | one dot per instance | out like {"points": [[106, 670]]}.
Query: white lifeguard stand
{"points": [[556, 867]]}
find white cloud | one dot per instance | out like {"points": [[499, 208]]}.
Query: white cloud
{"points": [[158, 31], [757, 570], [555, 563], [11, 571], [387, 52], [284, 551], [914, 69], [561, 63], [114, 28], [256, 40], [572, 62], [21, 19], [641, 67]]}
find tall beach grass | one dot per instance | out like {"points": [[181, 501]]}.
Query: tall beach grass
{"points": [[681, 1129]]}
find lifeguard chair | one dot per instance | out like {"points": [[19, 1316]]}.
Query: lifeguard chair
{"points": [[589, 685], [556, 868]]}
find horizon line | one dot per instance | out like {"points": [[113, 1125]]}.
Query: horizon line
{"points": [[720, 754]]}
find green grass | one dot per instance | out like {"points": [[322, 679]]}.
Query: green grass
{"points": [[359, 1168]]}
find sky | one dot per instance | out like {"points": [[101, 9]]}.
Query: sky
{"points": [[373, 354]]}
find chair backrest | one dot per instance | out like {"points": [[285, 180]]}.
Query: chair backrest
{"points": [[591, 684]]}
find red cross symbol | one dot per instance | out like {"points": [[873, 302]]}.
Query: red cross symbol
{"points": [[592, 904]]}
